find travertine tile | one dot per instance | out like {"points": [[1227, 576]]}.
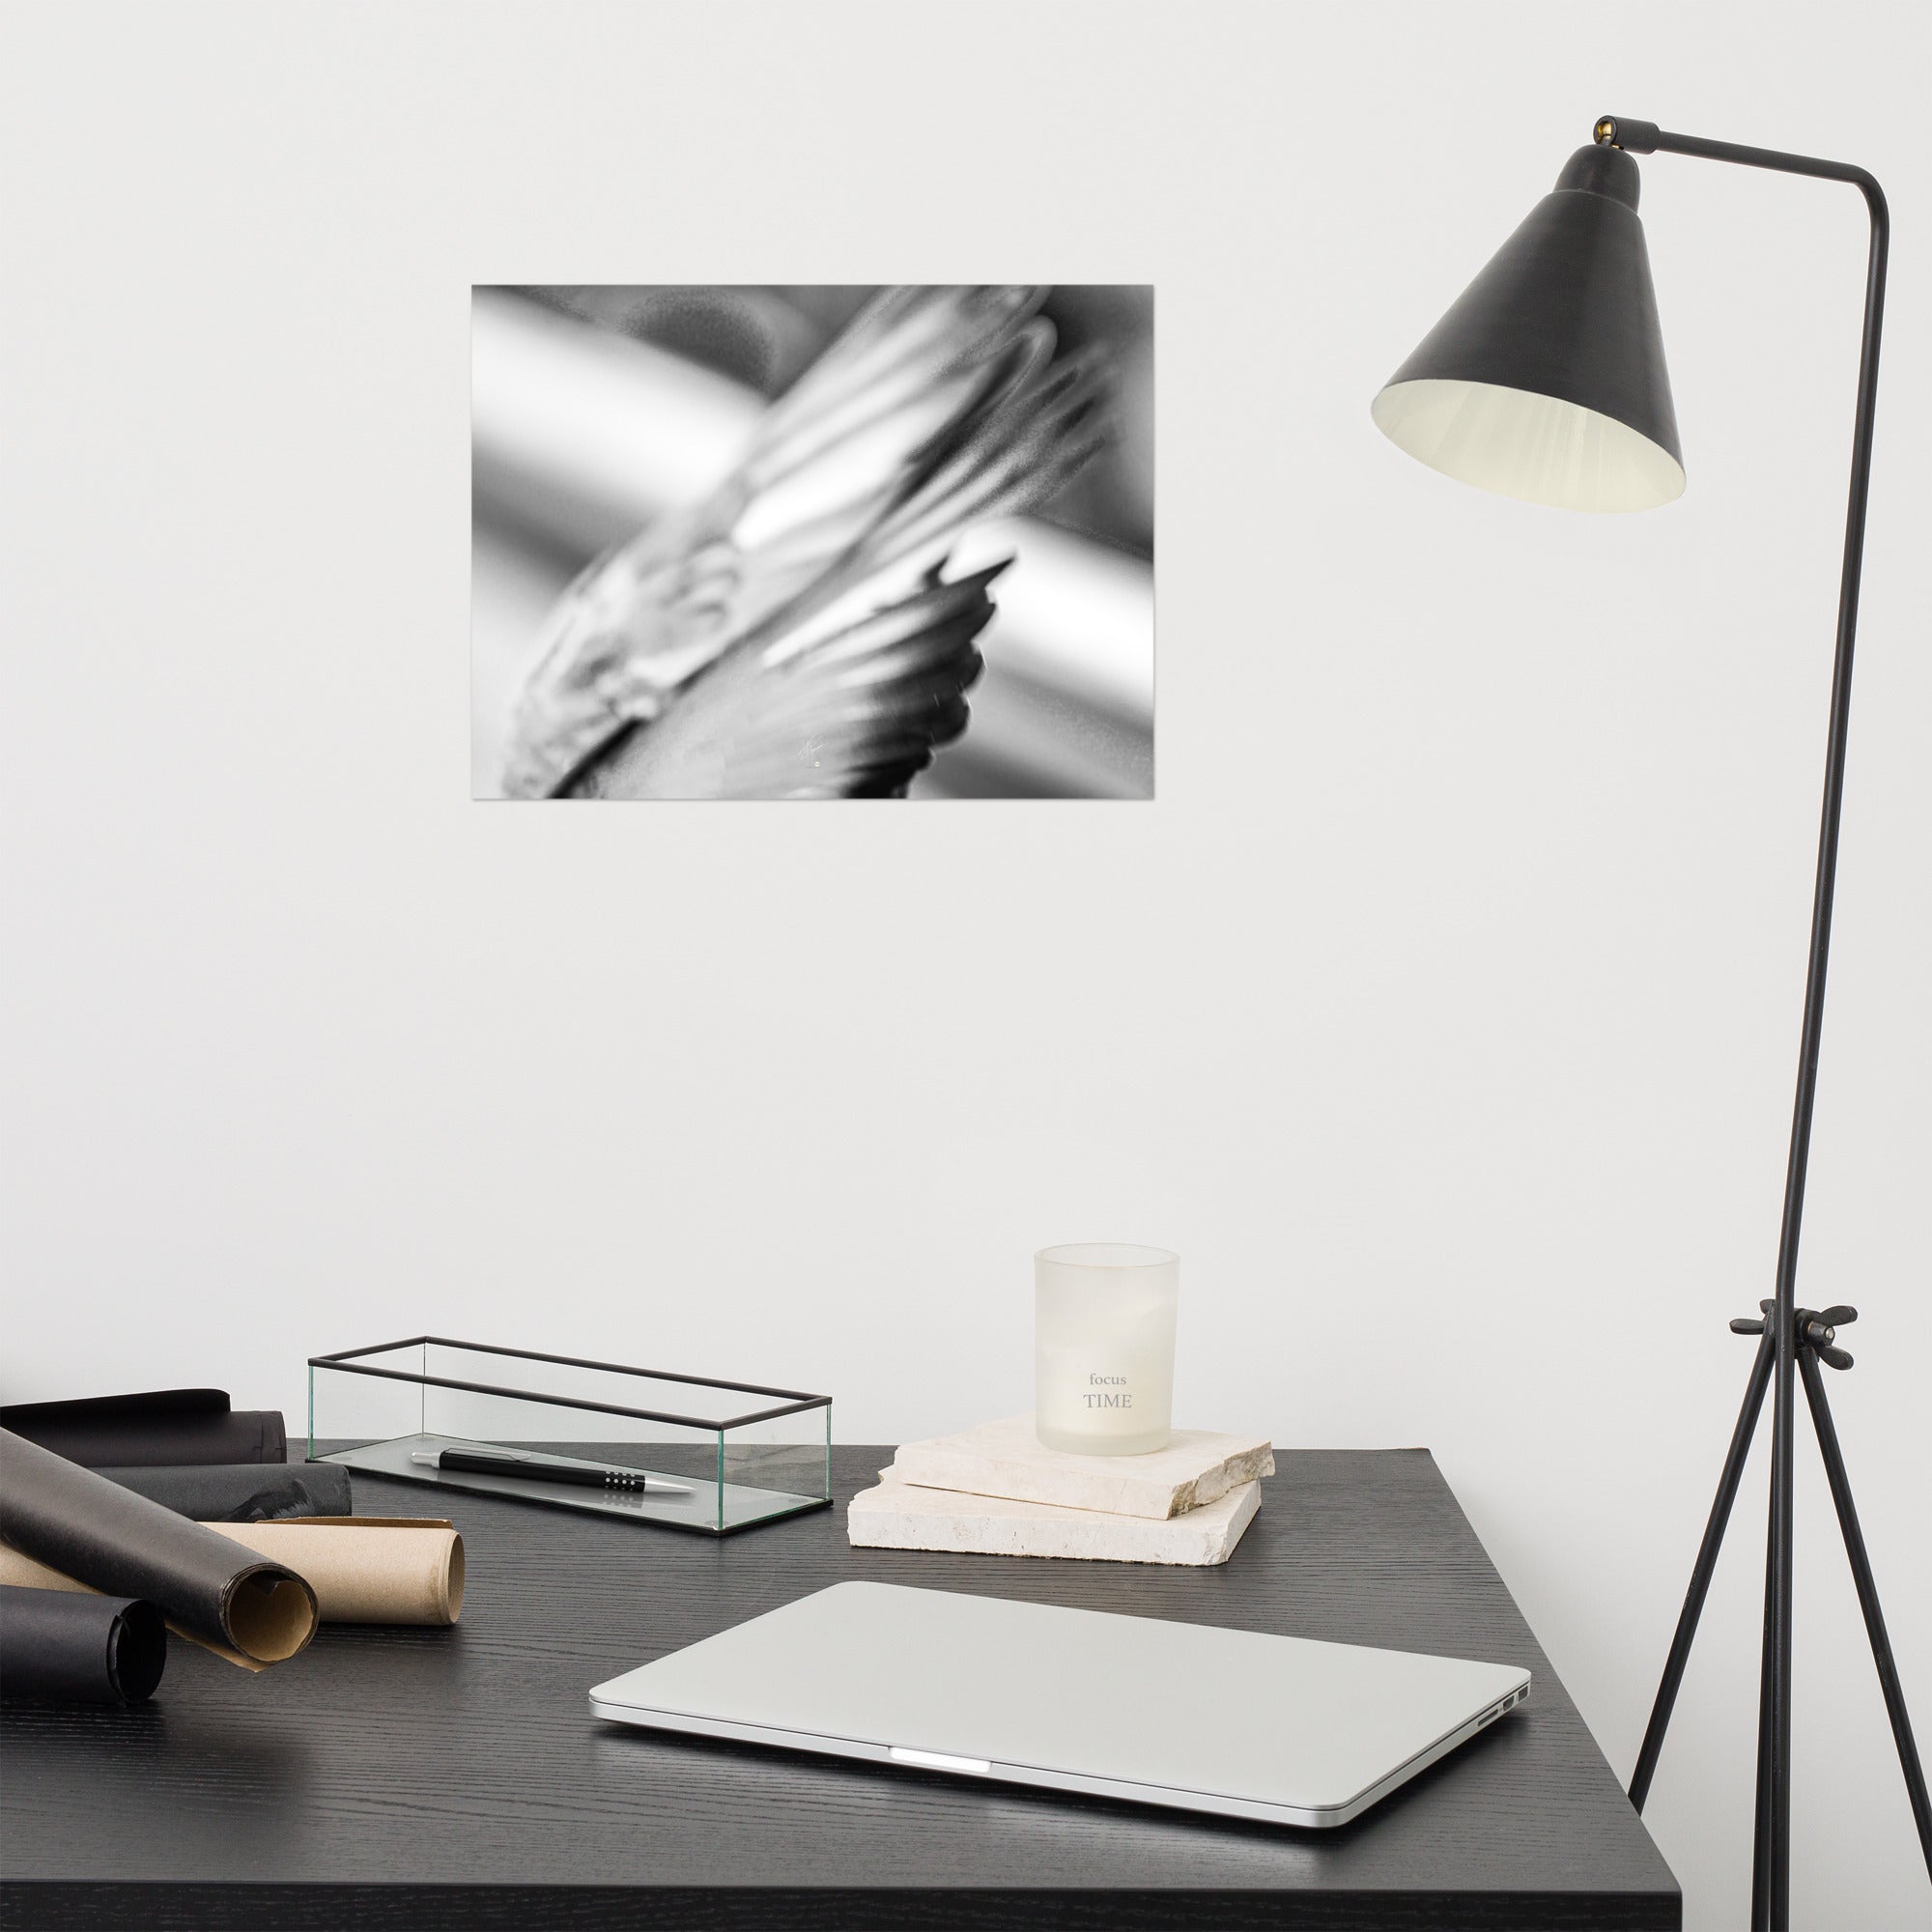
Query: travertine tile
{"points": [[902, 1516], [1006, 1458]]}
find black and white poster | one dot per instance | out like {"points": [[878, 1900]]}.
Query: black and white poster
{"points": [[822, 542]]}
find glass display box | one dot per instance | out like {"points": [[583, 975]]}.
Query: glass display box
{"points": [[683, 1452]]}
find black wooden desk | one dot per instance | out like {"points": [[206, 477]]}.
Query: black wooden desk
{"points": [[428, 1778]]}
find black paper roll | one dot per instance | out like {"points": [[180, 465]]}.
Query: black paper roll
{"points": [[80, 1649], [118, 1543], [242, 1491], [163, 1426]]}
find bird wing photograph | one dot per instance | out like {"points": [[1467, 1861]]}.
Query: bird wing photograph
{"points": [[813, 542]]}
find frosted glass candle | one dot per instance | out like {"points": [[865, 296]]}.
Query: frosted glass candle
{"points": [[1103, 1347]]}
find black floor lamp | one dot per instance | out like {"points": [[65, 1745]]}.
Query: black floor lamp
{"points": [[1546, 382]]}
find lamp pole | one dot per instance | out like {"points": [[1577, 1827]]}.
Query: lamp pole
{"points": [[1794, 1344]]}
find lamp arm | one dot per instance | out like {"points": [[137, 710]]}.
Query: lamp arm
{"points": [[1646, 138], [1770, 1905]]}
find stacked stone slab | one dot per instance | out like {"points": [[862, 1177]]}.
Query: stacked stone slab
{"points": [[997, 1491]]}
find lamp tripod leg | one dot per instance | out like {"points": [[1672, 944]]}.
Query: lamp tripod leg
{"points": [[1701, 1573], [1809, 1336], [1867, 1588], [1762, 1826]]}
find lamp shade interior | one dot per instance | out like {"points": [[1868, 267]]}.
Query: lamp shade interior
{"points": [[1519, 444]]}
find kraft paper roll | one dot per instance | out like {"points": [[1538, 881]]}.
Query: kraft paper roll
{"points": [[88, 1532], [363, 1569], [75, 1649], [156, 1426], [242, 1491], [367, 1570]]}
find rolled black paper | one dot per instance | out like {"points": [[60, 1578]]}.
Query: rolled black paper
{"points": [[242, 1491], [163, 1426], [118, 1543], [80, 1649]]}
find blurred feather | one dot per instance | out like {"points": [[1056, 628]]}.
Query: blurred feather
{"points": [[812, 575], [851, 712]]}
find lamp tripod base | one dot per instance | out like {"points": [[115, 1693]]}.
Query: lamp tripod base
{"points": [[1814, 1340]]}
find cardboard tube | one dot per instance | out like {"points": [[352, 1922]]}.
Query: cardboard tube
{"points": [[88, 1533], [366, 1570]]}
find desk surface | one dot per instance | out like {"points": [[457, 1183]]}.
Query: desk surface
{"points": [[453, 1778]]}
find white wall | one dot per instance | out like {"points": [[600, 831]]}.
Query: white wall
{"points": [[1442, 1010]]}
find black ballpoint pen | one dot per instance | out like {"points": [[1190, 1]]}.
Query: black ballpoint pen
{"points": [[532, 1470]]}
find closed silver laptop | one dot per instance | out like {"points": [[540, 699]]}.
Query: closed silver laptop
{"points": [[1238, 1722]]}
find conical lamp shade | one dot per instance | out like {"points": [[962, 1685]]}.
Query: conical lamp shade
{"points": [[1546, 380]]}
